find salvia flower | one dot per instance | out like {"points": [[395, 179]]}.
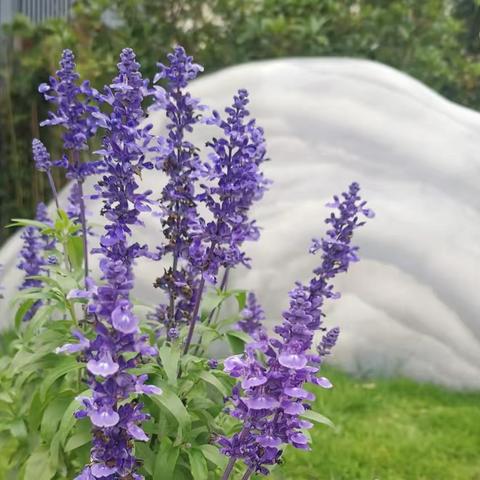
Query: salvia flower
{"points": [[118, 345], [179, 160], [271, 396], [41, 157], [252, 316], [234, 181], [32, 256], [73, 102]]}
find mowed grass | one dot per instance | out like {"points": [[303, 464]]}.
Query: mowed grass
{"points": [[390, 430]]}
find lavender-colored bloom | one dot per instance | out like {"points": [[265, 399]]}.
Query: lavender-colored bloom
{"points": [[76, 112], [270, 397], [212, 363], [74, 199], [32, 260], [115, 417], [234, 183], [179, 160], [73, 102], [41, 156], [252, 316]]}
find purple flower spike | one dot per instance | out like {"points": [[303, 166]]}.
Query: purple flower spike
{"points": [[32, 256], [234, 183], [118, 346], [270, 396], [179, 160], [73, 102], [252, 316], [41, 156]]}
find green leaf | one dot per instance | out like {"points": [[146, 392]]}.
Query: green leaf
{"points": [[170, 356], [170, 402], [18, 429], [215, 382], [52, 416], [22, 310], [237, 341], [68, 420], [166, 460], [144, 453], [26, 222], [75, 252], [241, 297], [82, 435], [198, 464], [318, 417], [64, 366], [211, 301], [38, 466], [212, 454]]}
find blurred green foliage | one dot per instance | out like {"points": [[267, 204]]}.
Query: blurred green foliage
{"points": [[436, 41]]}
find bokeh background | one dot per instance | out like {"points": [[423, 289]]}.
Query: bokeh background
{"points": [[388, 429]]}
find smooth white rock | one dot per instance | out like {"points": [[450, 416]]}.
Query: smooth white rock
{"points": [[411, 306]]}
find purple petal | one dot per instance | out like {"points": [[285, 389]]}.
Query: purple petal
{"points": [[124, 320], [261, 403], [104, 366], [268, 441], [104, 417], [136, 432], [85, 475], [100, 470], [299, 438], [322, 382], [69, 348], [292, 408], [253, 381], [78, 293], [292, 360], [297, 392], [305, 424], [148, 389], [233, 365], [43, 87]]}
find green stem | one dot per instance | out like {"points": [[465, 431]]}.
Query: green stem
{"points": [[71, 309], [228, 470], [247, 474], [193, 320]]}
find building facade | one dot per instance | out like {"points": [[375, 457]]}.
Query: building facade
{"points": [[36, 10]]}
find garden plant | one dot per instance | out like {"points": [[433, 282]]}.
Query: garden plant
{"points": [[95, 385]]}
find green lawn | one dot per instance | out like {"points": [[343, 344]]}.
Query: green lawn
{"points": [[390, 430]]}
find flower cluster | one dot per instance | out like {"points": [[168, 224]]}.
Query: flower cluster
{"points": [[76, 111], [179, 160], [252, 317], [118, 345], [271, 397], [32, 256], [234, 183], [73, 102]]}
